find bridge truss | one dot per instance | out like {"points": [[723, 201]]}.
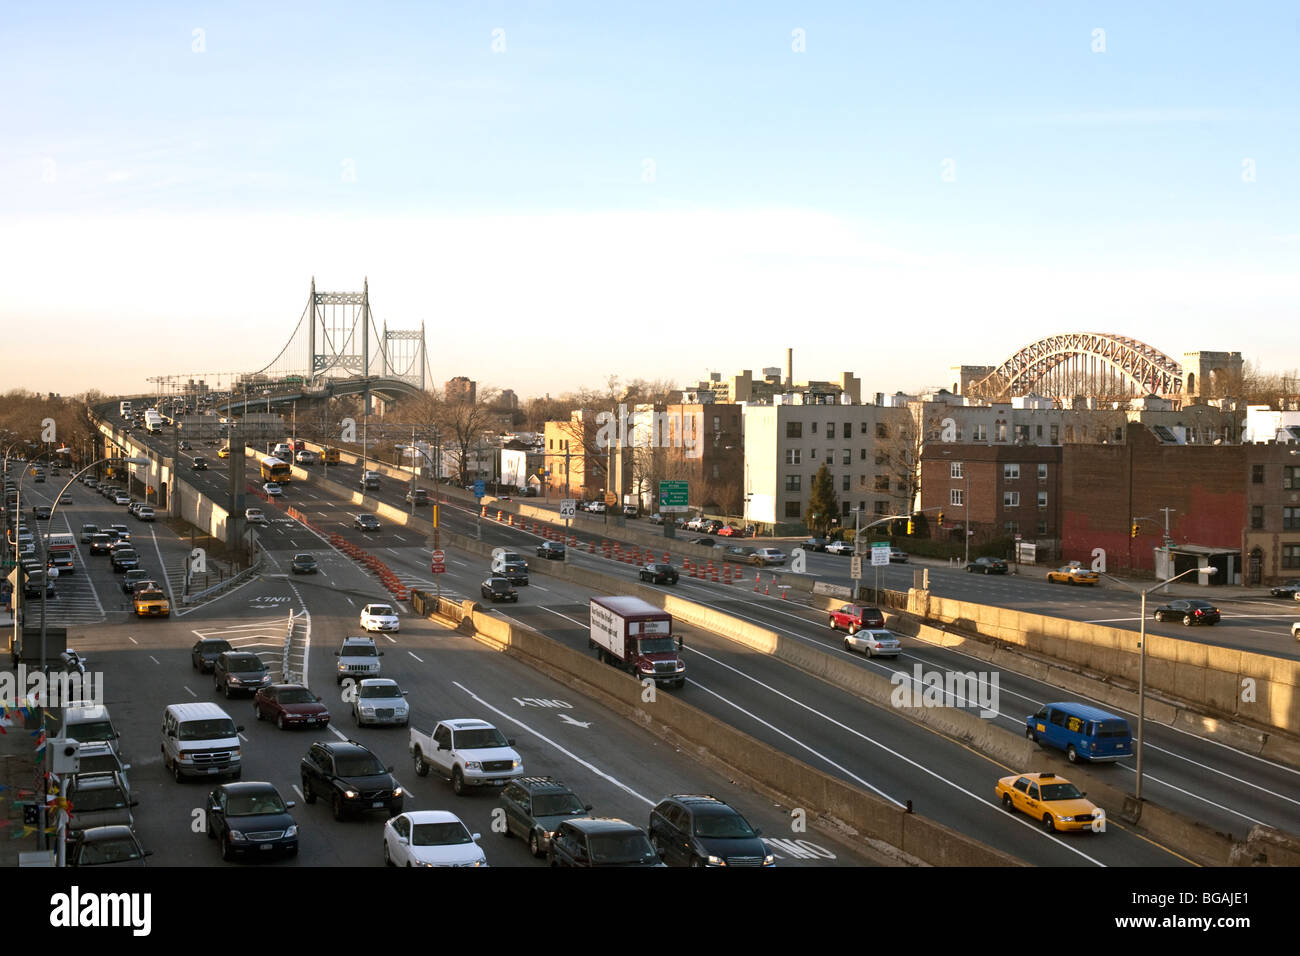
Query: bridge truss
{"points": [[1091, 364]]}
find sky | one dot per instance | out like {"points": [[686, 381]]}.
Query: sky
{"points": [[560, 192]]}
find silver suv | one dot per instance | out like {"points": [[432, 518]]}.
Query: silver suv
{"points": [[358, 659]]}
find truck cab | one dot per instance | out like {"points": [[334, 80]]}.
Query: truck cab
{"points": [[637, 636]]}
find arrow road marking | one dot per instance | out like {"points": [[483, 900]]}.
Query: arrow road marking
{"points": [[577, 723]]}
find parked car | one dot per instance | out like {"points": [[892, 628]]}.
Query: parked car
{"points": [[551, 550], [380, 701], [251, 817], [1289, 589], [855, 617], [702, 831], [290, 705], [765, 556], [351, 778], [145, 513], [839, 547], [601, 841], [874, 642], [365, 522], [657, 573], [815, 544], [239, 671], [1072, 574], [1189, 612], [988, 566], [498, 589], [206, 650], [99, 799], [380, 617], [535, 806], [103, 846], [304, 564], [431, 838]]}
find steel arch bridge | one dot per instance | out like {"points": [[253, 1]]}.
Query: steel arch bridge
{"points": [[1083, 363]]}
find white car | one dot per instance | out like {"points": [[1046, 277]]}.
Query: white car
{"points": [[305, 457], [379, 617], [255, 516], [380, 701], [765, 556], [839, 547], [430, 838], [1295, 630], [121, 498], [874, 642], [272, 489]]}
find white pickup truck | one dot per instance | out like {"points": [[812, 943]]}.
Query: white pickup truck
{"points": [[468, 752]]}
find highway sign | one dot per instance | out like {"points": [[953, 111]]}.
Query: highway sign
{"points": [[673, 496], [568, 507], [480, 488], [611, 499]]}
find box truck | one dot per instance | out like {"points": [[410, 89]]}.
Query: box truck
{"points": [[637, 636]]}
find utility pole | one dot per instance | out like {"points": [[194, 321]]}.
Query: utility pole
{"points": [[966, 503], [1169, 541]]}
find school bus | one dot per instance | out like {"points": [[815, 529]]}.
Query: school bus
{"points": [[273, 469]]}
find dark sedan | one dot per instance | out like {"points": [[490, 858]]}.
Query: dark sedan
{"points": [[124, 559], [815, 544], [1287, 590], [551, 550], [1189, 612], [41, 512], [251, 817], [304, 564], [498, 589], [658, 574], [290, 705], [365, 523], [102, 846], [204, 653], [988, 566]]}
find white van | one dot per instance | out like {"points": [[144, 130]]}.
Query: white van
{"points": [[200, 740]]}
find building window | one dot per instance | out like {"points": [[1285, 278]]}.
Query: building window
{"points": [[1256, 474], [1012, 527], [1002, 433], [792, 456], [793, 483], [882, 483], [1042, 499], [715, 471], [1290, 519], [1011, 499], [1038, 432], [794, 429], [1117, 435], [1256, 517], [814, 428], [1042, 526], [845, 486], [882, 458], [1010, 472], [863, 456], [812, 455], [1042, 472], [862, 428], [954, 497], [882, 430], [1069, 433], [1291, 555], [954, 469], [792, 509], [1291, 478], [1056, 435], [847, 457], [550, 443], [717, 423], [830, 429], [862, 481], [981, 433]]}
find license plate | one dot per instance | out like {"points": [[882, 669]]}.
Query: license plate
{"points": [[265, 846], [213, 770], [376, 804], [498, 783]]}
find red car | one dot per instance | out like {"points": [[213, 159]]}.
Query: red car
{"points": [[855, 617], [726, 531], [290, 705]]}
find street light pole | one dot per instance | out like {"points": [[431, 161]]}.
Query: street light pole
{"points": [[966, 504]]}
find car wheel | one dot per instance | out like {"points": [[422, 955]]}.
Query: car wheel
{"points": [[281, 722], [1159, 617], [237, 774], [421, 768], [853, 629], [227, 691], [1007, 804], [388, 860], [986, 571], [227, 851], [847, 646], [308, 794], [1071, 754], [336, 804], [1048, 823], [195, 665], [1034, 737], [534, 844], [176, 771], [457, 782], [1187, 620], [831, 623]]}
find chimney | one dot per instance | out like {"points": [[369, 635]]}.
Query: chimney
{"points": [[789, 368]]}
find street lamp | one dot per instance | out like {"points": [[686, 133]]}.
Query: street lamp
{"points": [[1142, 658]]}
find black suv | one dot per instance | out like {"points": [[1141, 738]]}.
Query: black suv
{"points": [[351, 777], [695, 830], [659, 574], [124, 559], [239, 671], [498, 589], [601, 841], [535, 806], [551, 550], [206, 650]]}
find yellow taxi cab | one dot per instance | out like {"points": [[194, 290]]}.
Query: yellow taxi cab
{"points": [[1072, 574], [1051, 799], [223, 452]]}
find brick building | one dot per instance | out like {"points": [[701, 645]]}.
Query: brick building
{"points": [[995, 491], [1270, 539]]}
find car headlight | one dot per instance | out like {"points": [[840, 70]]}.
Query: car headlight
{"points": [[769, 860], [717, 861], [292, 831], [398, 791], [236, 835], [1065, 819], [514, 765], [350, 794], [342, 666], [473, 765]]}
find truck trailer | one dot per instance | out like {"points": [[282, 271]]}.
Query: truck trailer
{"points": [[637, 636]]}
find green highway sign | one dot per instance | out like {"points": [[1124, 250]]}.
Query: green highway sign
{"points": [[673, 496]]}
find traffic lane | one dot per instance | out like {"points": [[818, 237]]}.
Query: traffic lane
{"points": [[1201, 778], [893, 757]]}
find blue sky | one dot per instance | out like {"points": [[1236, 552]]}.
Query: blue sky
{"points": [[928, 182]]}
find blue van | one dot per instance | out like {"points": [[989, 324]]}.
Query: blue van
{"points": [[1083, 732]]}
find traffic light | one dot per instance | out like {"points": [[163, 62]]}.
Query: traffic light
{"points": [[941, 519], [1133, 533], [910, 526]]}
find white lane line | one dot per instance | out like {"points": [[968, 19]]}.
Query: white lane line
{"points": [[132, 640], [190, 692], [338, 733], [155, 660], [349, 600], [538, 587], [298, 790], [293, 542], [390, 640], [391, 550], [894, 753], [399, 538], [568, 753], [243, 738], [413, 654]]}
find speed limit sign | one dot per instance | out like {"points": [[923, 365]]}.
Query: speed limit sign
{"points": [[568, 508]]}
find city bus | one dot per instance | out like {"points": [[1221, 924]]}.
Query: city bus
{"points": [[273, 469]]}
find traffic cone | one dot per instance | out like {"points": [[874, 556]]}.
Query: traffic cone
{"points": [[755, 582]]}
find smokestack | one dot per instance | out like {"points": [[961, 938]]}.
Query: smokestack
{"points": [[789, 368]]}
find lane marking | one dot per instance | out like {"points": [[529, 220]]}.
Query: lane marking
{"points": [[413, 654], [155, 660], [338, 733], [190, 692], [132, 640]]}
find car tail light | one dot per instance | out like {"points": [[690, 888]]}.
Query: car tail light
{"points": [[1199, 612]]}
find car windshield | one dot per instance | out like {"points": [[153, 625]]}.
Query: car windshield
{"points": [[723, 826], [251, 804], [296, 695], [246, 664], [620, 848], [358, 765], [214, 729], [482, 738], [106, 798], [98, 763], [657, 645], [553, 804], [117, 850], [214, 647], [381, 610], [1060, 791], [359, 650], [91, 730], [382, 690], [305, 559], [440, 834], [1200, 605]]}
